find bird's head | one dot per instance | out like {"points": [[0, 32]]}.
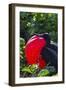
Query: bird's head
{"points": [[46, 36]]}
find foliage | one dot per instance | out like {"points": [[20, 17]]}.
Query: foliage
{"points": [[43, 72], [51, 70], [33, 23], [30, 70], [22, 55]]}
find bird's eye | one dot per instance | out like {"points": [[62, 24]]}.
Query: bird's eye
{"points": [[47, 38]]}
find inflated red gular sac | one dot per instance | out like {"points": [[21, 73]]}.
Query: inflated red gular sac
{"points": [[33, 51]]}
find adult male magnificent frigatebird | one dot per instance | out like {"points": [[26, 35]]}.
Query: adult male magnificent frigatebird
{"points": [[40, 50]]}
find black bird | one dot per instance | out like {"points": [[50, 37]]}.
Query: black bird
{"points": [[49, 52]]}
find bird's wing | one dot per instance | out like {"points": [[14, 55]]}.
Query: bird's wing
{"points": [[50, 55]]}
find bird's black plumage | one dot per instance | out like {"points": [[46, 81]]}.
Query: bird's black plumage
{"points": [[50, 55], [50, 52]]}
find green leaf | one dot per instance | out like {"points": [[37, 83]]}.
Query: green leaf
{"points": [[33, 68], [43, 72], [22, 42], [30, 69], [26, 69]]}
